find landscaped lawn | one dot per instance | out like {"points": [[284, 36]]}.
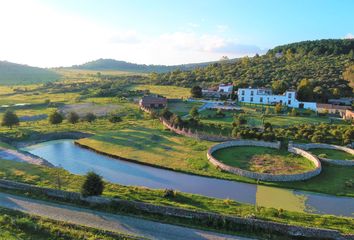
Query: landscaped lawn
{"points": [[182, 108], [47, 177], [332, 154], [263, 160]]}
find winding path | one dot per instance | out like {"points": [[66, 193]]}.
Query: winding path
{"points": [[106, 221]]}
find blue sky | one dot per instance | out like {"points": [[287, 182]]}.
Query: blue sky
{"points": [[65, 32]]}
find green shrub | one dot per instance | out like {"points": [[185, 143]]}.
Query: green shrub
{"points": [[93, 185]]}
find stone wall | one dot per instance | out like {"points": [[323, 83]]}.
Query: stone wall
{"points": [[264, 176], [251, 224], [328, 146]]}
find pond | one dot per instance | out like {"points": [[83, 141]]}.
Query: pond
{"points": [[66, 154]]}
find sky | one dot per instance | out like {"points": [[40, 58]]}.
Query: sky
{"points": [[53, 33]]}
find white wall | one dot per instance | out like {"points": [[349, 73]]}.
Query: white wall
{"points": [[265, 96]]}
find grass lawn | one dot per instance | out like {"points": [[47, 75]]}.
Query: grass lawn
{"points": [[46, 177], [167, 91], [263, 160], [182, 108], [15, 225], [332, 154]]}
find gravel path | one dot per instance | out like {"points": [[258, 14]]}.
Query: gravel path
{"points": [[111, 222], [15, 155]]}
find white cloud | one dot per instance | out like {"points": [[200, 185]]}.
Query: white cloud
{"points": [[349, 36], [222, 28], [38, 35]]}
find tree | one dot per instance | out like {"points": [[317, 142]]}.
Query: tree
{"points": [[305, 90], [55, 118], [73, 117], [194, 112], [294, 112], [166, 114], [90, 117], [10, 119], [93, 185], [196, 92], [278, 108], [279, 86], [268, 126]]}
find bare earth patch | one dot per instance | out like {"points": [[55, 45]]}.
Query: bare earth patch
{"points": [[273, 164], [83, 108]]}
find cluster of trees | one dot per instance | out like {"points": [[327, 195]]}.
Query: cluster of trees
{"points": [[315, 68]]}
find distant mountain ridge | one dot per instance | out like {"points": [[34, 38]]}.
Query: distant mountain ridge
{"points": [[112, 64], [13, 73]]}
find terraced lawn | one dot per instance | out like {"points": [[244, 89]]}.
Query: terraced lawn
{"points": [[332, 154], [263, 160]]}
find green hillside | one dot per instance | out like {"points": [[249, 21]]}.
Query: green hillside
{"points": [[13, 74], [321, 62], [115, 65]]}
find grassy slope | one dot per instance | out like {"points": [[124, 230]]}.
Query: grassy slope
{"points": [[14, 74], [43, 176], [333, 154], [284, 162], [15, 225]]}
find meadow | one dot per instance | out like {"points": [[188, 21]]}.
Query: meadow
{"points": [[332, 154]]}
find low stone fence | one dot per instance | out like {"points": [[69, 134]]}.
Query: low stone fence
{"points": [[307, 146], [251, 224], [189, 133], [264, 176]]}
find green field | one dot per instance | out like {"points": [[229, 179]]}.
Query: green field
{"points": [[332, 154], [263, 160], [46, 177], [182, 108], [166, 91], [15, 225]]}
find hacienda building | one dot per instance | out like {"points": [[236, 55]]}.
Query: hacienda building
{"points": [[153, 101], [223, 90], [266, 96]]}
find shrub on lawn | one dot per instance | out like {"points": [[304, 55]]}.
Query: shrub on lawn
{"points": [[93, 185]]}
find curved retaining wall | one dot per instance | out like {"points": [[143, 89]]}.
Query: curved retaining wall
{"points": [[328, 146], [265, 176]]}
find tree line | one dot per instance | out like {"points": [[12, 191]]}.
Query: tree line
{"points": [[317, 67]]}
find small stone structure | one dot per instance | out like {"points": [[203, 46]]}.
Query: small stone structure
{"points": [[265, 176], [328, 146], [252, 224]]}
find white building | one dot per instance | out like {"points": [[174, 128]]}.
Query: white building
{"points": [[266, 96], [227, 88]]}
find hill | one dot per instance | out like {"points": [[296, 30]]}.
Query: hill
{"points": [[13, 74], [115, 65], [321, 66]]}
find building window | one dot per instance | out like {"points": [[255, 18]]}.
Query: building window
{"points": [[251, 99], [261, 99], [289, 95], [243, 92], [251, 93], [242, 99], [289, 102]]}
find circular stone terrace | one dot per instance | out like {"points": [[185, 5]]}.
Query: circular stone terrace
{"points": [[332, 154], [289, 171]]}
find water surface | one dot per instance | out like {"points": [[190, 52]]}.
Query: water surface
{"points": [[78, 160]]}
